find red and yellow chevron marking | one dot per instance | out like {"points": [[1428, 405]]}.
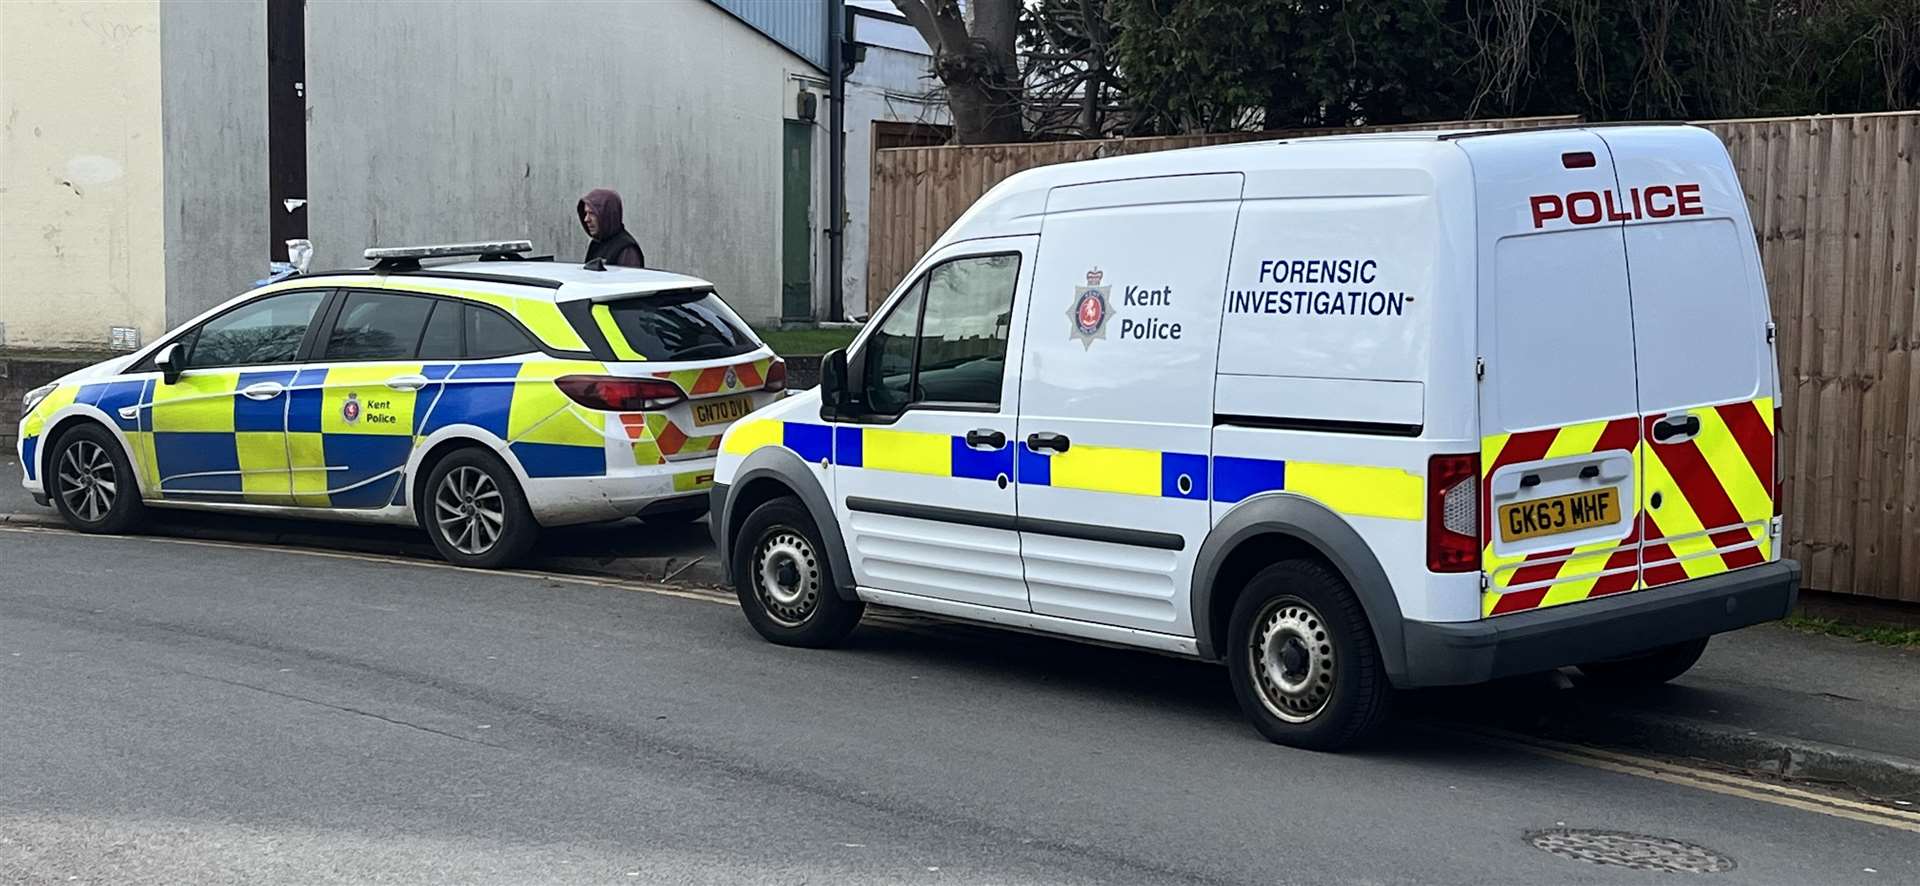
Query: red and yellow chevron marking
{"points": [[666, 437], [1716, 501], [713, 379]]}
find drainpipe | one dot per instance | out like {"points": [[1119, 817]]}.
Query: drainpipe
{"points": [[836, 158]]}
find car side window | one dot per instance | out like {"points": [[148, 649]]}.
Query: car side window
{"points": [[887, 358], [266, 331], [441, 341], [946, 343], [491, 335], [378, 326]]}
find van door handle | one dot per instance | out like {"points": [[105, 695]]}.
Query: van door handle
{"points": [[1675, 428], [407, 382], [1048, 440], [986, 438], [262, 390]]}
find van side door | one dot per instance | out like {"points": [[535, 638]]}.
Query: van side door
{"points": [[923, 452], [1116, 397], [1706, 368]]}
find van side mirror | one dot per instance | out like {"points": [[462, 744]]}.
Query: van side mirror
{"points": [[171, 363], [833, 383]]}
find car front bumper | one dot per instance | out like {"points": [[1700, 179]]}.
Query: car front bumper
{"points": [[1457, 653]]}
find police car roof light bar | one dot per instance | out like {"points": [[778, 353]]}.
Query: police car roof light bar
{"points": [[407, 258]]}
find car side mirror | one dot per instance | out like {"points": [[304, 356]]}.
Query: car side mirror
{"points": [[171, 363], [833, 382]]}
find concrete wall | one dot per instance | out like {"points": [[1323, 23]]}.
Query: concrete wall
{"points": [[214, 98], [888, 85], [434, 122], [81, 179]]}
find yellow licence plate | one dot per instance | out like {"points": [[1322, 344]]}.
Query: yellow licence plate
{"points": [[719, 412], [1561, 513]]}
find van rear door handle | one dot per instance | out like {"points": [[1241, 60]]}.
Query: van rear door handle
{"points": [[986, 438], [407, 382], [1676, 428], [262, 390], [1048, 440]]}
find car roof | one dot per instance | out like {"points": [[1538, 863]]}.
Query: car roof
{"points": [[543, 279]]}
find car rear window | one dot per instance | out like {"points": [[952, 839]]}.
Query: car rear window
{"points": [[686, 325]]}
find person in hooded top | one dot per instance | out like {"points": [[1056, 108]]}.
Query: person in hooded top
{"points": [[600, 215]]}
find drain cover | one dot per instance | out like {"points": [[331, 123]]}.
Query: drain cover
{"points": [[1636, 851]]}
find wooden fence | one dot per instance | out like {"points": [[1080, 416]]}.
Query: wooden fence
{"points": [[1836, 205]]}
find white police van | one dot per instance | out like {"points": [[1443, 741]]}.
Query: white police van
{"points": [[1346, 414], [481, 400]]}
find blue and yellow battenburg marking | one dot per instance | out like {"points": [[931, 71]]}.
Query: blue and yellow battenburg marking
{"points": [[1358, 490]]}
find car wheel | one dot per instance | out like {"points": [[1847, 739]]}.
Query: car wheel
{"points": [[785, 580], [476, 511], [1302, 658], [1648, 669], [92, 483]]}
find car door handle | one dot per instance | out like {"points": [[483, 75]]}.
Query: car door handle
{"points": [[1676, 428], [262, 390], [407, 382], [1048, 440], [986, 438]]}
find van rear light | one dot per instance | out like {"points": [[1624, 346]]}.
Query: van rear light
{"points": [[1577, 160], [1453, 513], [614, 394], [1778, 476], [776, 376]]}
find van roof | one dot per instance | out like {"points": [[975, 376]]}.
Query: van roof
{"points": [[562, 282]]}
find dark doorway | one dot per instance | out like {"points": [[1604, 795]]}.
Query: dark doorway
{"points": [[796, 228], [286, 122]]}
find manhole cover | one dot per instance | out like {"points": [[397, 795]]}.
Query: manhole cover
{"points": [[1636, 851]]}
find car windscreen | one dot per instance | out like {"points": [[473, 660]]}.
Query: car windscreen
{"points": [[681, 325]]}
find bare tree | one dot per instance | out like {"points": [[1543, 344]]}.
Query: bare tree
{"points": [[973, 55]]}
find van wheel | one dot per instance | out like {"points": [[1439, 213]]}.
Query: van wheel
{"points": [[785, 581], [476, 512], [92, 482], [1303, 660], [1648, 669]]}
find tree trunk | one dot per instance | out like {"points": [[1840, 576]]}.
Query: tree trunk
{"points": [[979, 68]]}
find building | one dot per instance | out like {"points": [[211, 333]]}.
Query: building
{"points": [[157, 155]]}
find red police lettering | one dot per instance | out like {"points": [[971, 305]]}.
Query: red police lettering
{"points": [[1690, 200], [1615, 215], [1573, 207], [1546, 206], [1654, 210]]}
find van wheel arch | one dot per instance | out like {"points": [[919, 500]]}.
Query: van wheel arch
{"points": [[1267, 529], [774, 472]]}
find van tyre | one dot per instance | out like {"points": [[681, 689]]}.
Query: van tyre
{"points": [[1648, 669], [1303, 660], [785, 580], [476, 512], [91, 482]]}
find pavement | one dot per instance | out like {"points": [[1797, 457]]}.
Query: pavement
{"points": [[183, 710], [1766, 700]]}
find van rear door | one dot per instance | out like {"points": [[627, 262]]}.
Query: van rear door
{"points": [[1706, 371], [1559, 411]]}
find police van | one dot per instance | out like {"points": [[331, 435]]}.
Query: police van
{"points": [[480, 399], [1346, 414]]}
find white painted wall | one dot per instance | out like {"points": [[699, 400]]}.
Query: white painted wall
{"points": [[80, 172], [442, 121], [888, 85]]}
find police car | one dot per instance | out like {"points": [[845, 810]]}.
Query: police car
{"points": [[1346, 414], [481, 400]]}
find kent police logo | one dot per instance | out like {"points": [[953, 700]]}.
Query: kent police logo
{"points": [[1090, 309], [350, 410]]}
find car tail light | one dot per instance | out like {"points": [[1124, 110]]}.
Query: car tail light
{"points": [[1779, 478], [613, 394], [1453, 513], [776, 376]]}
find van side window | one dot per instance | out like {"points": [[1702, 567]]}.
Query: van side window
{"points": [[946, 343]]}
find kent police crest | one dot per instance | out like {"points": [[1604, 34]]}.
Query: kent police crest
{"points": [[1090, 309], [350, 410]]}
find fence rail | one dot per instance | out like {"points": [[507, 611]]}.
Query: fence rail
{"points": [[1836, 205]]}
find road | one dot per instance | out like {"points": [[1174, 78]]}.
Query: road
{"points": [[191, 711]]}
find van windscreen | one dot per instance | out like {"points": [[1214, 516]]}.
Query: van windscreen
{"points": [[691, 324]]}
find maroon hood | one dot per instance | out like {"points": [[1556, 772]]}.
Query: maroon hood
{"points": [[605, 204]]}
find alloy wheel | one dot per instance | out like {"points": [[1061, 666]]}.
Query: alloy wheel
{"points": [[89, 484], [470, 510]]}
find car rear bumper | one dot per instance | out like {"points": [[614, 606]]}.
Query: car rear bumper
{"points": [[1447, 654]]}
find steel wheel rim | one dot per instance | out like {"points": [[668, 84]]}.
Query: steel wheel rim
{"points": [[786, 577], [470, 510], [89, 483], [1292, 660]]}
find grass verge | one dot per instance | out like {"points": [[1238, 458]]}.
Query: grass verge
{"points": [[1906, 638], [806, 341]]}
